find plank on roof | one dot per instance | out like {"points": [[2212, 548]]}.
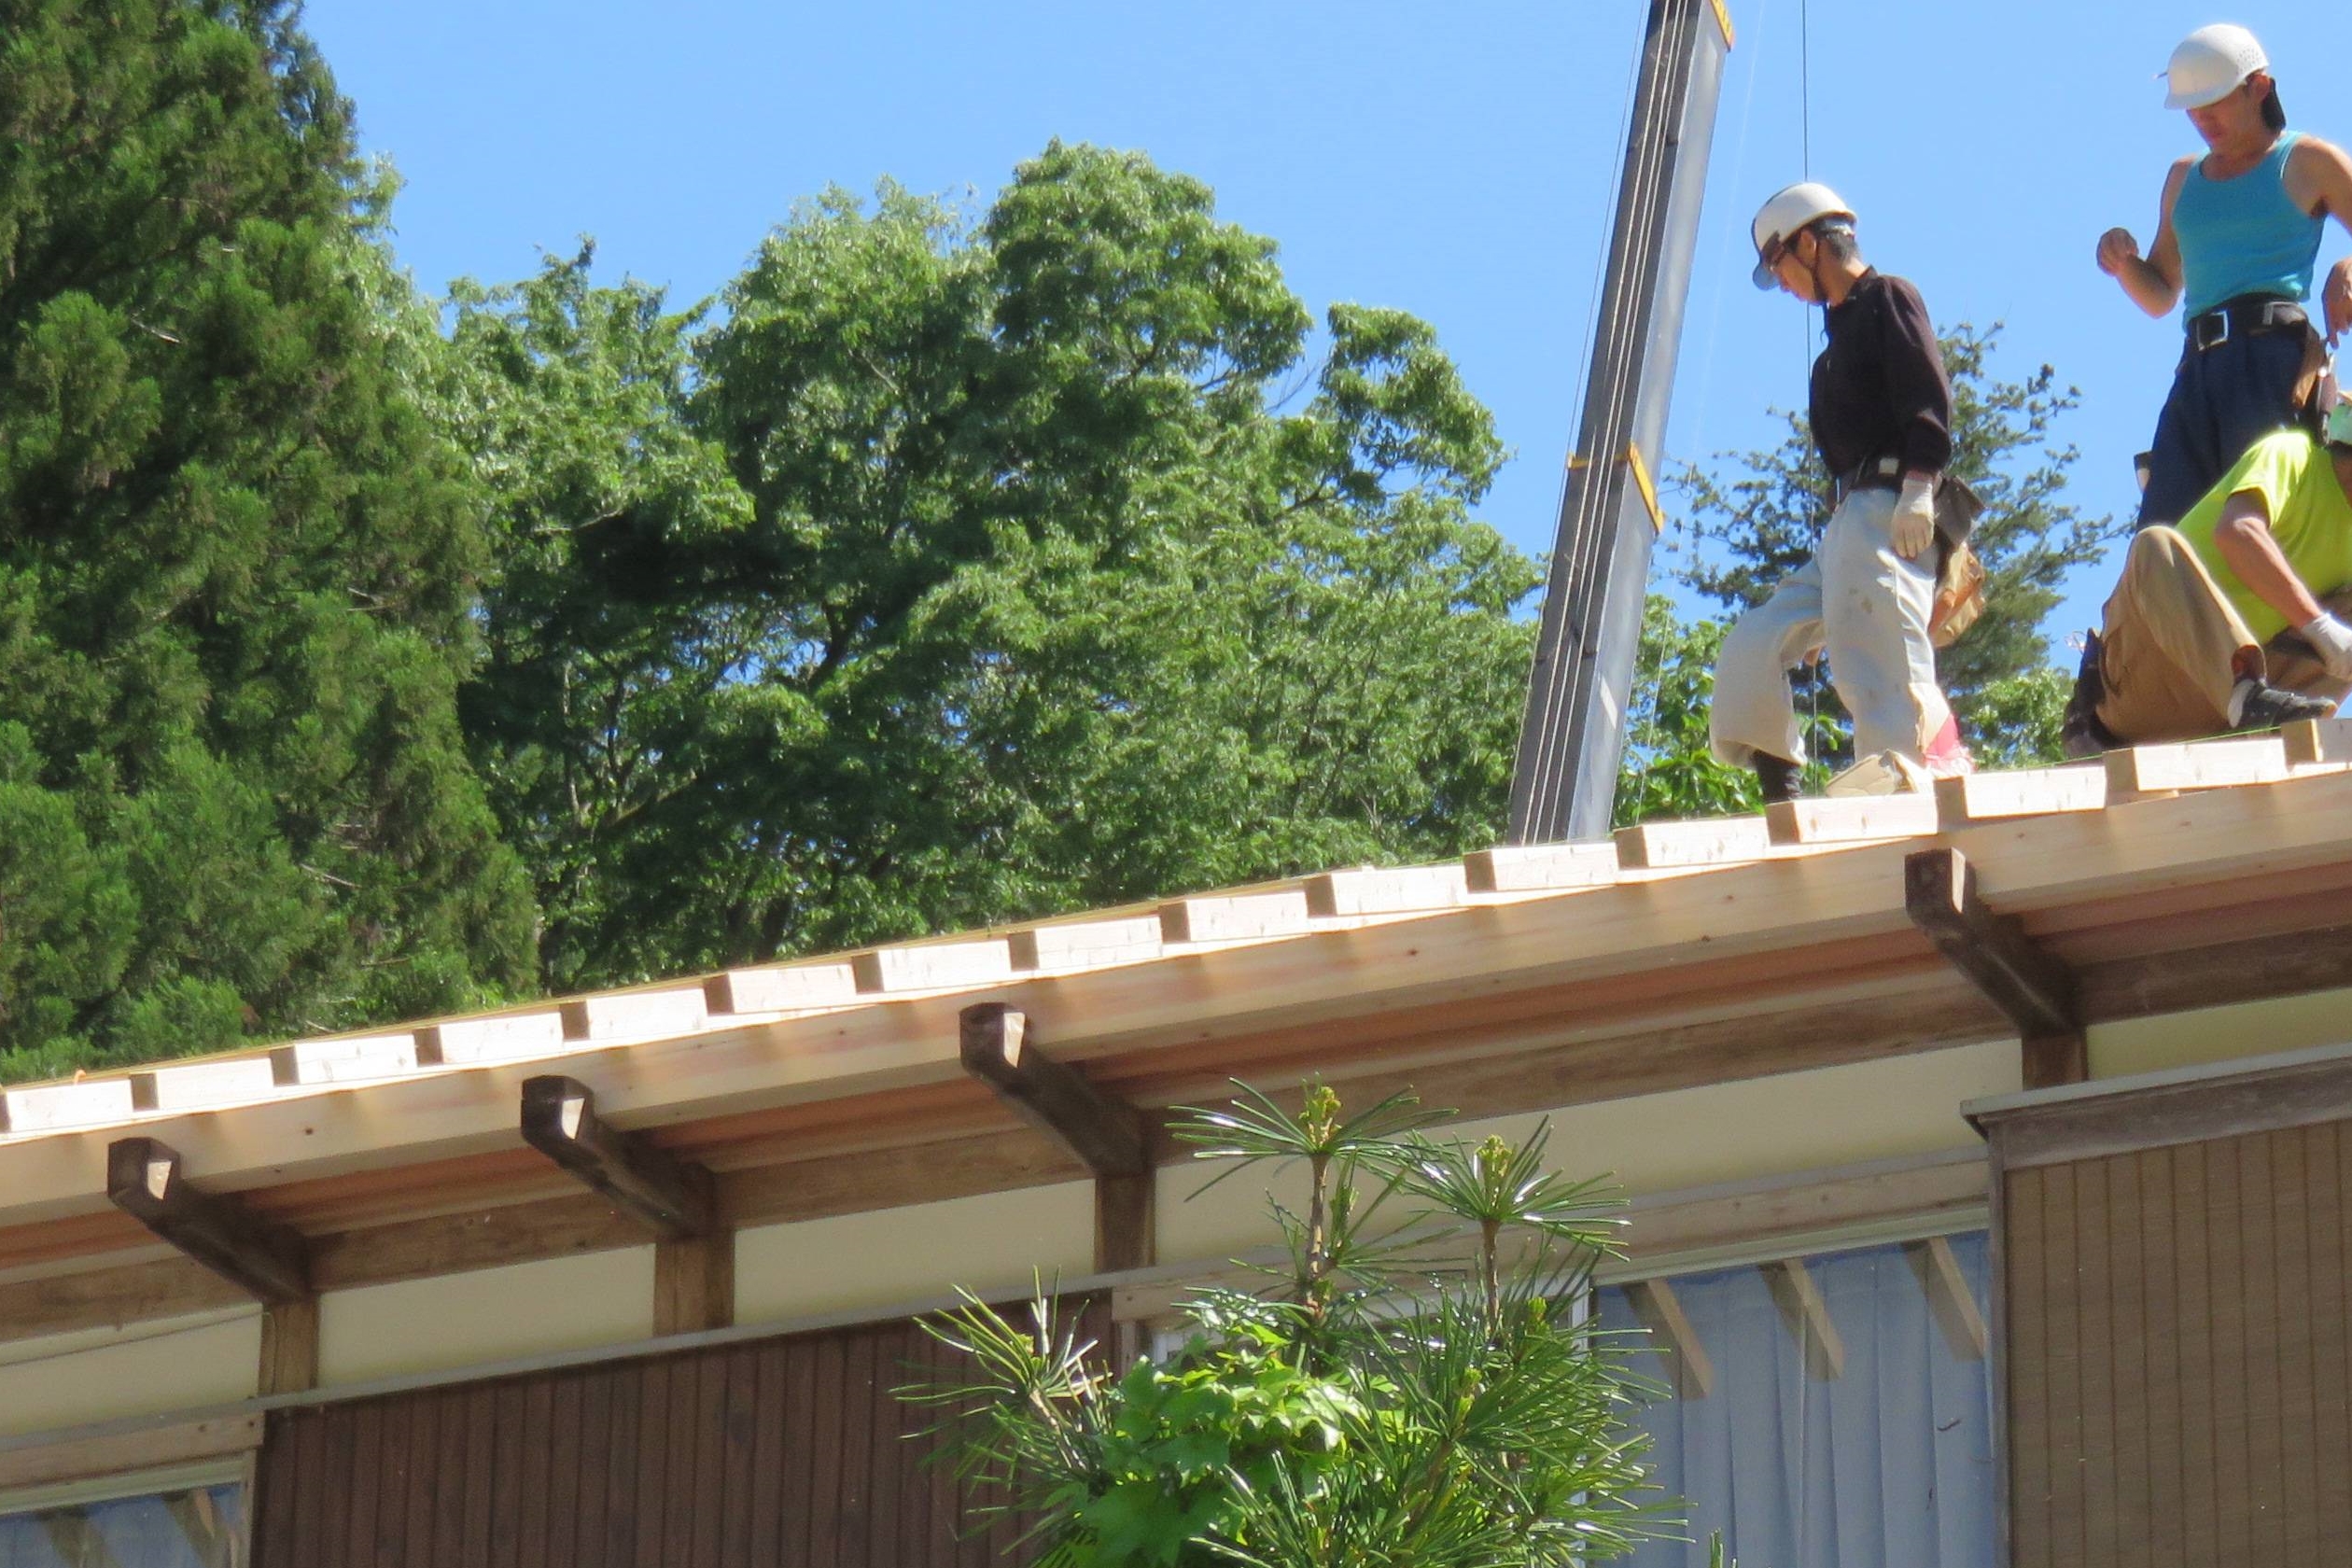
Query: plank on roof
{"points": [[636, 1015], [1398, 890], [1085, 944], [45, 1107], [1851, 820], [1541, 867], [2197, 765], [193, 1086], [2318, 740], [508, 1037], [1658, 846], [350, 1061], [1234, 916], [781, 989], [1991, 797], [933, 966]]}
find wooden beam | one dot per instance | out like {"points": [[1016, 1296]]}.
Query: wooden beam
{"points": [[262, 1257], [667, 1195], [2200, 765], [1995, 797], [142, 1447], [199, 1523], [1715, 840], [289, 1348], [1660, 1310], [2032, 988], [1125, 1221], [1851, 820], [694, 1283], [1798, 1295], [1949, 1296], [1106, 1134]]}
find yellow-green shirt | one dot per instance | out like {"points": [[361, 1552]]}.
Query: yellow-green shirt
{"points": [[2309, 517]]}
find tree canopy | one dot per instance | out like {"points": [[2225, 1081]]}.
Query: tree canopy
{"points": [[236, 563]]}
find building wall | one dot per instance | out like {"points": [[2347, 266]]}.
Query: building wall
{"points": [[791, 1451], [2179, 1352], [174, 1364], [485, 1315], [2216, 1034]]}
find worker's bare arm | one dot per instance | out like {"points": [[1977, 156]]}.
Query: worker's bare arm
{"points": [[2319, 181], [2243, 539], [2152, 281]]}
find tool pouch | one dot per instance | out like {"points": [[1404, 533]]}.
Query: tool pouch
{"points": [[1959, 575]]}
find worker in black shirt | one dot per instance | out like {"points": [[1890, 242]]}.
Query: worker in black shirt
{"points": [[1882, 420]]}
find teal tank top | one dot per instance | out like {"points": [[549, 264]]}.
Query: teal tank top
{"points": [[2244, 235]]}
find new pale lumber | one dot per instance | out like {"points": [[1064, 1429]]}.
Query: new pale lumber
{"points": [[782, 988], [1658, 846], [1234, 916], [2311, 741], [350, 1061], [669, 1195], [1798, 1295], [265, 1259], [1106, 1134], [636, 1015], [195, 1086], [933, 966], [1992, 797], [1540, 867], [1851, 820], [1949, 1296], [510, 1037], [2200, 765], [1661, 1311], [1085, 944], [47, 1107], [1374, 892]]}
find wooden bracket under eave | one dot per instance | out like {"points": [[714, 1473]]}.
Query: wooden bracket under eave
{"points": [[1662, 1312], [2035, 990], [1106, 1135], [671, 1197], [265, 1259], [1798, 1295]]}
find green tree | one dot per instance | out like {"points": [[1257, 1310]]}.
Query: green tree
{"points": [[972, 566], [1756, 518], [236, 562], [1411, 1388]]}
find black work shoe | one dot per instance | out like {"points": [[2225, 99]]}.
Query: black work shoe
{"points": [[2267, 707], [2079, 733], [1777, 776]]}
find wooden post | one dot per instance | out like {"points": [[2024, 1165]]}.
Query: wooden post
{"points": [[694, 1283], [2033, 989], [289, 1347]]}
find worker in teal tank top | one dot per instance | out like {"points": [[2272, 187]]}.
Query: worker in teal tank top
{"points": [[2237, 246]]}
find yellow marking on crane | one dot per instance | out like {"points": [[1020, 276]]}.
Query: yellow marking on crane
{"points": [[1723, 18], [1649, 491]]}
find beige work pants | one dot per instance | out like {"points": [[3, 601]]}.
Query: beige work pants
{"points": [[2173, 648]]}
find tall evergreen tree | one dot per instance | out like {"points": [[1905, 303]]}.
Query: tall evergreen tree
{"points": [[236, 561]]}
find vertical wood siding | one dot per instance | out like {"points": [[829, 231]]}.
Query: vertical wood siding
{"points": [[777, 1453], [2179, 1355]]}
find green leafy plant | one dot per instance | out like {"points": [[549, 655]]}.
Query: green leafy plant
{"points": [[1412, 1384]]}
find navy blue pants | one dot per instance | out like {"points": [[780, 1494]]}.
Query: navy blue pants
{"points": [[2224, 398]]}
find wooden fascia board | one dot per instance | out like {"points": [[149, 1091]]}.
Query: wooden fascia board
{"points": [[1830, 896]]}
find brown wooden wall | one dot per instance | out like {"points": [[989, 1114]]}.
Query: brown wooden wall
{"points": [[780, 1453], [2178, 1359]]}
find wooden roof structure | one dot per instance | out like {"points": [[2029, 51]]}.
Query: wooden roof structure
{"points": [[2022, 905]]}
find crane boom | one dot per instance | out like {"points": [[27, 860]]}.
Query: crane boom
{"points": [[1564, 782]]}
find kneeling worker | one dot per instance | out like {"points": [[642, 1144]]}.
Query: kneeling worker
{"points": [[2234, 621], [1881, 408]]}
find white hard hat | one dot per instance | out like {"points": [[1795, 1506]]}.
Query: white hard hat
{"points": [[1788, 212], [2211, 63]]}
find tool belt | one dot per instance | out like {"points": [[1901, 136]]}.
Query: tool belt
{"points": [[1959, 574], [2245, 317]]}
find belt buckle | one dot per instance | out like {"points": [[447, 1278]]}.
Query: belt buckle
{"points": [[2218, 318]]}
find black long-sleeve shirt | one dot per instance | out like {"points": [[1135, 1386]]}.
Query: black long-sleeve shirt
{"points": [[1879, 388]]}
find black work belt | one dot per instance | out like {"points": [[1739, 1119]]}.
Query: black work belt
{"points": [[1879, 473], [2247, 316]]}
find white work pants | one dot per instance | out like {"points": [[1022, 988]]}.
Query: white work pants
{"points": [[1870, 607]]}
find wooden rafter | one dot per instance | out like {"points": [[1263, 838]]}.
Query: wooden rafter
{"points": [[669, 1195], [265, 1259], [1798, 1295], [1948, 1297], [1659, 1307], [1106, 1134], [2031, 988]]}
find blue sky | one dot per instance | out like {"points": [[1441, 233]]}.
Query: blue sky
{"points": [[1455, 161]]}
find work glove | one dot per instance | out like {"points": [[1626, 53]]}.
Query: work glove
{"points": [[1914, 527], [2332, 639]]}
